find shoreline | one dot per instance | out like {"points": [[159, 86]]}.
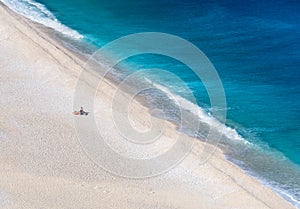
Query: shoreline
{"points": [[175, 125], [65, 58]]}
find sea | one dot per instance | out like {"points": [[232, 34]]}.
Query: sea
{"points": [[254, 46]]}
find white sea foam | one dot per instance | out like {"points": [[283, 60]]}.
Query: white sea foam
{"points": [[40, 14], [285, 193], [289, 197], [204, 117]]}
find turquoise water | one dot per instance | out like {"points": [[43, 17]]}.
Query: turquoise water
{"points": [[255, 47]]}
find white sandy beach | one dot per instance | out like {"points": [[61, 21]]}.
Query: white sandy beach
{"points": [[44, 165]]}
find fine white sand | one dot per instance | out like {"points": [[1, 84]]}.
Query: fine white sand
{"points": [[43, 164]]}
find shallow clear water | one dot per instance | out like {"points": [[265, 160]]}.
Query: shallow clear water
{"points": [[255, 47]]}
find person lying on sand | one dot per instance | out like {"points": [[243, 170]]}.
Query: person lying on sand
{"points": [[80, 112]]}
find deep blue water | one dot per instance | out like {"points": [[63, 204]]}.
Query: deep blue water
{"points": [[255, 47]]}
